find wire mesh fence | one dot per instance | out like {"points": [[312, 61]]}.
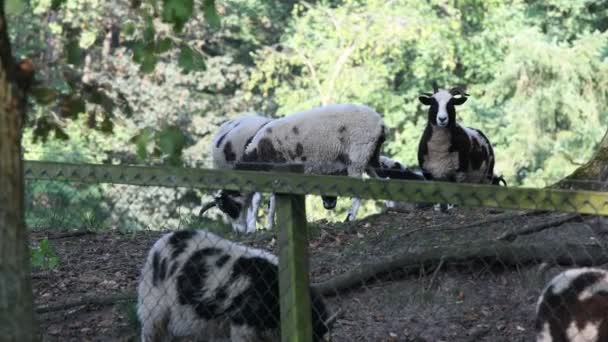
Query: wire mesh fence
{"points": [[121, 253]]}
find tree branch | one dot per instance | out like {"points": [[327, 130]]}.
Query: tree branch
{"points": [[90, 300], [313, 75], [490, 251], [535, 228]]}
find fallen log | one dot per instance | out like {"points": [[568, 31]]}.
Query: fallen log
{"points": [[505, 253], [85, 301], [538, 227]]}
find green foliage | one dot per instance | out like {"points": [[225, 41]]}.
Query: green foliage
{"points": [[177, 12], [536, 70], [43, 256], [190, 60]]}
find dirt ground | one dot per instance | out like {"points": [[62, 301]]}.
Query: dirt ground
{"points": [[468, 301]]}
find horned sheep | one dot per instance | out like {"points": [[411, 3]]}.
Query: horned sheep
{"points": [[196, 284], [227, 148], [573, 307], [448, 151], [340, 139]]}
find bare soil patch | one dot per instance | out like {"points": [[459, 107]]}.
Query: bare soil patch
{"points": [[469, 301]]}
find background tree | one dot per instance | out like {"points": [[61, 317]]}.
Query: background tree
{"points": [[16, 302], [151, 90]]}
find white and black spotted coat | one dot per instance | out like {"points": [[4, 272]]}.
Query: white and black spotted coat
{"points": [[573, 307], [229, 143], [450, 152], [332, 139], [199, 285]]}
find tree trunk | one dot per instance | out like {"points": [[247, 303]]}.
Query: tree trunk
{"points": [[16, 304], [591, 176]]}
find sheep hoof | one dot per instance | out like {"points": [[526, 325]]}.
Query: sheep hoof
{"points": [[347, 218]]}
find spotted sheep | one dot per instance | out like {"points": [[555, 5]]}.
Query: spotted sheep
{"points": [[196, 284], [393, 169], [573, 307], [227, 149], [449, 151], [340, 139]]}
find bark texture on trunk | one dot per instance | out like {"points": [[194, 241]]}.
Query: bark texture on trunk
{"points": [[16, 308], [593, 175]]}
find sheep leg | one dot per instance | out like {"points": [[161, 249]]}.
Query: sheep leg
{"points": [[243, 333], [354, 208], [155, 328], [271, 209], [252, 212]]}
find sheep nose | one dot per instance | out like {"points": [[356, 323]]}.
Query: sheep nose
{"points": [[442, 119]]}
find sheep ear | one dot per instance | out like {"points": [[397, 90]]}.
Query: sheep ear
{"points": [[425, 99], [457, 101]]}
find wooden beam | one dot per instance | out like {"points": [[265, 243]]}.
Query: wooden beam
{"points": [[293, 269], [466, 195]]}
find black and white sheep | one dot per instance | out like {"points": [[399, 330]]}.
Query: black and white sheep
{"points": [[573, 307], [448, 151], [393, 169], [227, 148], [196, 284], [340, 139]]}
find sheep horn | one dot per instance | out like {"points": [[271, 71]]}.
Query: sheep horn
{"points": [[458, 90], [206, 207], [435, 87]]}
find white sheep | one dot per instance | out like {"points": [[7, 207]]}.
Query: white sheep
{"points": [[196, 284], [573, 307], [341, 139]]}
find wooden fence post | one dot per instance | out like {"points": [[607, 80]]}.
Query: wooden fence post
{"points": [[293, 269]]}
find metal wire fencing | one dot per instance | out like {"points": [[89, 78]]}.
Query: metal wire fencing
{"points": [[121, 253]]}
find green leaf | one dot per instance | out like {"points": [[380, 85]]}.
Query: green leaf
{"points": [[190, 60], [141, 141], [55, 4], [163, 45], [44, 95], [177, 12], [149, 31], [148, 64], [71, 105], [107, 125], [73, 52], [139, 50], [211, 15], [60, 134], [87, 39], [14, 7], [170, 142], [128, 29]]}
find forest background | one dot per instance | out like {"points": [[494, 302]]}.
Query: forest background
{"points": [[147, 82]]}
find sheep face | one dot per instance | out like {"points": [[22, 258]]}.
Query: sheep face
{"points": [[238, 207], [442, 112]]}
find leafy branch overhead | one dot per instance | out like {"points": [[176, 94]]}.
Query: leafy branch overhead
{"points": [[84, 38]]}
